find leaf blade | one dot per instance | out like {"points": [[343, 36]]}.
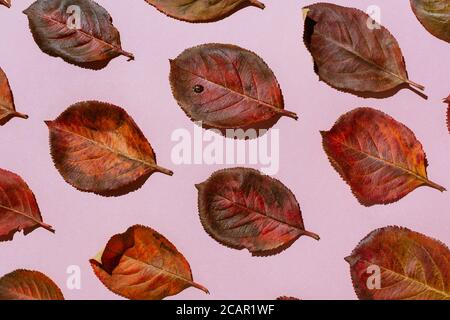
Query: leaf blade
{"points": [[413, 266], [434, 15], [243, 209], [7, 107], [97, 147], [28, 285], [91, 46], [201, 11], [142, 255], [380, 158]]}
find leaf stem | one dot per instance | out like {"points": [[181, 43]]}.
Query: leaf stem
{"points": [[199, 286], [20, 115], [47, 227], [258, 4], [415, 85], [311, 234], [435, 186], [287, 113], [163, 170], [127, 54]]}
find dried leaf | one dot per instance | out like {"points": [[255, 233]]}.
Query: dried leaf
{"points": [[7, 108], [92, 44], [434, 15], [287, 298], [6, 3], [227, 87], [28, 285], [350, 54], [97, 147], [395, 263], [142, 264], [379, 158], [18, 207], [202, 10], [241, 208]]}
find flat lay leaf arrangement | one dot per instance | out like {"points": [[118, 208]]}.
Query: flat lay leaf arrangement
{"points": [[97, 147]]}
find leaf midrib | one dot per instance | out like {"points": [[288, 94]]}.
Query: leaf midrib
{"points": [[152, 166], [370, 62], [261, 213], [387, 162], [442, 293]]}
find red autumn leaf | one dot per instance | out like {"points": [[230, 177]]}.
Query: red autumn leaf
{"points": [[28, 285], [142, 264], [287, 298], [395, 263], [351, 56], [6, 3], [434, 15], [227, 87], [97, 147], [7, 107], [18, 207], [379, 158], [241, 208], [80, 32], [201, 10]]}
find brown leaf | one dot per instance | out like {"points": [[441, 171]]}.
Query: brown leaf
{"points": [[350, 56], [379, 158], [7, 108], [6, 3], [142, 264], [395, 263], [241, 208], [97, 147], [227, 87], [18, 207], [202, 10], [28, 285], [92, 44], [434, 15]]}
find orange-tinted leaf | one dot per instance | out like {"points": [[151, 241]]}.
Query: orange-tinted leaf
{"points": [[287, 298], [18, 207], [351, 56], [7, 108], [6, 3], [78, 31], [142, 264], [379, 158], [202, 10], [395, 263], [28, 285], [434, 15], [241, 208], [226, 87], [97, 147]]}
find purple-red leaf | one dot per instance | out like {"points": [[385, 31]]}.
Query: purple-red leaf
{"points": [[6, 3], [227, 87], [352, 54], [448, 112], [241, 208], [80, 32]]}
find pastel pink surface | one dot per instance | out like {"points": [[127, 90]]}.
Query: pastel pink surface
{"points": [[43, 87]]}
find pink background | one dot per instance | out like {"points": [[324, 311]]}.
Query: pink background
{"points": [[44, 86]]}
